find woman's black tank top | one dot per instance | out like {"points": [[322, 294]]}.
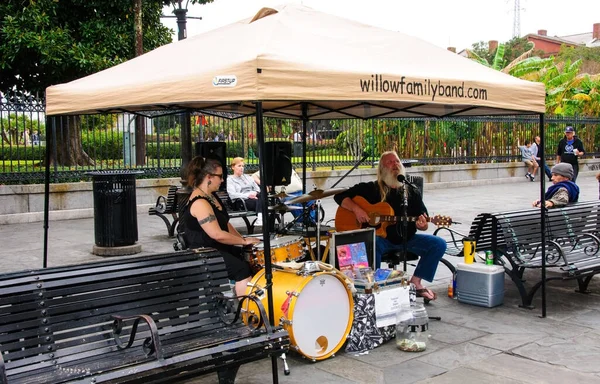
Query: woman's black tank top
{"points": [[195, 236]]}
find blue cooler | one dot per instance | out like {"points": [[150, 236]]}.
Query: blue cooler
{"points": [[480, 284]]}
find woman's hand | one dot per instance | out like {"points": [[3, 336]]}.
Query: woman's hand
{"points": [[250, 240], [252, 195]]}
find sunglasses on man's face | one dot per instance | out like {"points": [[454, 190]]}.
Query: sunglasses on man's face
{"points": [[219, 175]]}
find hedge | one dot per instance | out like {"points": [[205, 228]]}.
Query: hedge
{"points": [[111, 148], [22, 153]]}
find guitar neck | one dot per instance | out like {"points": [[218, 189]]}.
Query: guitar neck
{"points": [[396, 219]]}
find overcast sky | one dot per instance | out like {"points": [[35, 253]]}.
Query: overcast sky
{"points": [[445, 23]]}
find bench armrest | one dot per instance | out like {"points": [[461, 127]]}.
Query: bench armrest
{"points": [[588, 241], [256, 323], [453, 239], [151, 344], [3, 378], [161, 204], [234, 202]]}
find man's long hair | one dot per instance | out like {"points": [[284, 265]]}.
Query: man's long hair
{"points": [[384, 189]]}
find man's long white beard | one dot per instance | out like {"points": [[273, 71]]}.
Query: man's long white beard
{"points": [[390, 179]]}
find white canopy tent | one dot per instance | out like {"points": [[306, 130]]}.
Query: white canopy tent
{"points": [[293, 54], [294, 62]]}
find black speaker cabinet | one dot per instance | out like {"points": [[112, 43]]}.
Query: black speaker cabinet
{"points": [[278, 158], [216, 150]]}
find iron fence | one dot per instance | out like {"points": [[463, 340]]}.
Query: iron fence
{"points": [[123, 141]]}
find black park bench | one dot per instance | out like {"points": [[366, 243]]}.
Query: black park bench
{"points": [[237, 209], [151, 319], [167, 206], [571, 235]]}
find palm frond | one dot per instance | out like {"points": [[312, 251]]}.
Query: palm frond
{"points": [[499, 57], [475, 57], [529, 65], [522, 57]]}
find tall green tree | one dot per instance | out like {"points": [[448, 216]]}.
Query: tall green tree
{"points": [[46, 42]]}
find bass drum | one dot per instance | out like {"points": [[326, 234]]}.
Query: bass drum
{"points": [[316, 309]]}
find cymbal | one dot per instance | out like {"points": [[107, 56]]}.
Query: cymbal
{"points": [[284, 208], [316, 195], [281, 195]]}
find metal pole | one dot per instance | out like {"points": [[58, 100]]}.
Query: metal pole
{"points": [[304, 125], [541, 154], [47, 191], [260, 136], [180, 14]]}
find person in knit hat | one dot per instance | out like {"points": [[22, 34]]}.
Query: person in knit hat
{"points": [[570, 149], [562, 191]]}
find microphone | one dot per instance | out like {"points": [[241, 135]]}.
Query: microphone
{"points": [[401, 178]]}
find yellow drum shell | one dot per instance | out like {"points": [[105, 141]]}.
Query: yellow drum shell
{"points": [[283, 249]]}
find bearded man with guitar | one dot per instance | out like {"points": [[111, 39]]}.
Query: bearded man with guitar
{"points": [[386, 191]]}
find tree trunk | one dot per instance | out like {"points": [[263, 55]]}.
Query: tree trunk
{"points": [[140, 141], [140, 126], [137, 22], [69, 151]]}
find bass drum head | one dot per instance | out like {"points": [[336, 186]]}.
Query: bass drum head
{"points": [[316, 309], [321, 316]]}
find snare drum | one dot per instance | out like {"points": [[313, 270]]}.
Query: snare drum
{"points": [[316, 309], [285, 248]]}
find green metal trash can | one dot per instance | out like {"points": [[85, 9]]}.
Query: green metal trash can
{"points": [[115, 209]]}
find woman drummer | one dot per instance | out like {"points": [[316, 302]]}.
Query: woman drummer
{"points": [[206, 221]]}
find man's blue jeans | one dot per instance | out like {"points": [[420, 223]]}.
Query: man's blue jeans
{"points": [[429, 248]]}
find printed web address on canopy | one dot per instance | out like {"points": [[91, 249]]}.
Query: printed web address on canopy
{"points": [[425, 88]]}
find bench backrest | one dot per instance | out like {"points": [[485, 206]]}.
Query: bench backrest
{"points": [[51, 317], [518, 232], [172, 199]]}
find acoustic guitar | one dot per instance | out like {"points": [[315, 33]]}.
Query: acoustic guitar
{"points": [[380, 216]]}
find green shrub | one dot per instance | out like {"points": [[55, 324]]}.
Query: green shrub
{"points": [[16, 153], [103, 146], [170, 150]]}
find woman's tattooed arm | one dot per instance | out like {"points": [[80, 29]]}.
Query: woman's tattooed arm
{"points": [[208, 219]]}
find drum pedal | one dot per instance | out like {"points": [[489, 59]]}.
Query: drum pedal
{"points": [[286, 368]]}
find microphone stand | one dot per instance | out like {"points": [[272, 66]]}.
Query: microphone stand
{"points": [[362, 159], [404, 193]]}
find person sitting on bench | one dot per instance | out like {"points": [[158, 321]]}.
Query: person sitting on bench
{"points": [[387, 188], [206, 221], [242, 186], [562, 191]]}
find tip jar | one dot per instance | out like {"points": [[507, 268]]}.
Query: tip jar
{"points": [[412, 324]]}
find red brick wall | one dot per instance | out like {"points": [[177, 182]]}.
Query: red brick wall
{"points": [[551, 48]]}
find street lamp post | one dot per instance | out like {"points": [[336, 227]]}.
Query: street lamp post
{"points": [[181, 15], [186, 129]]}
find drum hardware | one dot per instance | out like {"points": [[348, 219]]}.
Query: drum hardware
{"points": [[286, 368], [283, 321], [284, 208], [317, 195]]}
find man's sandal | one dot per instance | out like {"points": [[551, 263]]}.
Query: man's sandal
{"points": [[427, 295]]}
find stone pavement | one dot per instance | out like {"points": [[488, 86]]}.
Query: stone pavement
{"points": [[470, 344]]}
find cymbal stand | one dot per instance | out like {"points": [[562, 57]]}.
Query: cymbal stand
{"points": [[318, 204]]}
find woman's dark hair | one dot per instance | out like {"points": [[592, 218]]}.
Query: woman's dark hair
{"points": [[198, 168]]}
